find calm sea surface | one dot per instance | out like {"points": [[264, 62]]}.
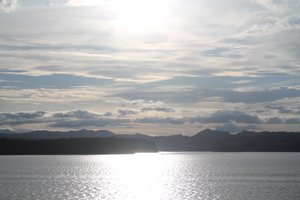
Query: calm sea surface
{"points": [[152, 176]]}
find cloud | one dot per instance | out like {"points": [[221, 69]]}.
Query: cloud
{"points": [[274, 107], [84, 118], [285, 111], [79, 114], [160, 120], [292, 121], [282, 110], [20, 122], [91, 122], [203, 95], [242, 82], [21, 115], [216, 52], [142, 102], [168, 96], [53, 81], [274, 120], [271, 25], [127, 112], [278, 120], [15, 119], [221, 52], [226, 117], [108, 114], [158, 109], [270, 4], [260, 96], [8, 5], [232, 128]]}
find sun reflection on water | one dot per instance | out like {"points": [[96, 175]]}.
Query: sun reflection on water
{"points": [[140, 176], [173, 176]]}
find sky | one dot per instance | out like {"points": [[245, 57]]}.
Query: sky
{"points": [[156, 67]]}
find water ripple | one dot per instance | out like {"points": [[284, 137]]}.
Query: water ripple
{"points": [[151, 176]]}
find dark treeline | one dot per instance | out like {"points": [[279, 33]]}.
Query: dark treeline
{"points": [[110, 145]]}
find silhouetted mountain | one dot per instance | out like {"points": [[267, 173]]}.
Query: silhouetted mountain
{"points": [[211, 140], [110, 145]]}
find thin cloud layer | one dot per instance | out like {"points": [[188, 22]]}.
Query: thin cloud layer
{"points": [[229, 96], [89, 123]]}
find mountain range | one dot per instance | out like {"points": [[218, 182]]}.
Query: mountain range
{"points": [[206, 140]]}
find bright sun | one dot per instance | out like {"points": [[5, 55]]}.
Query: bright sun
{"points": [[141, 15]]}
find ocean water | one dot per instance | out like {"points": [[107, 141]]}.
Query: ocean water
{"points": [[163, 175]]}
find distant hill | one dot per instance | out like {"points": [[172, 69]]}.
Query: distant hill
{"points": [[57, 135], [245, 141], [8, 131], [220, 141], [206, 140]]}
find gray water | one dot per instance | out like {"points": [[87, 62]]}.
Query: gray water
{"points": [[152, 176]]}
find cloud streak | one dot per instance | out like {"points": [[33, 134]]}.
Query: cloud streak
{"points": [[160, 120], [92, 123], [230, 96]]}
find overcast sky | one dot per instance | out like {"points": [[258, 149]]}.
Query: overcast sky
{"points": [[156, 67]]}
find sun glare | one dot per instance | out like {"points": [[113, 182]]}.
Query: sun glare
{"points": [[141, 15], [138, 175]]}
